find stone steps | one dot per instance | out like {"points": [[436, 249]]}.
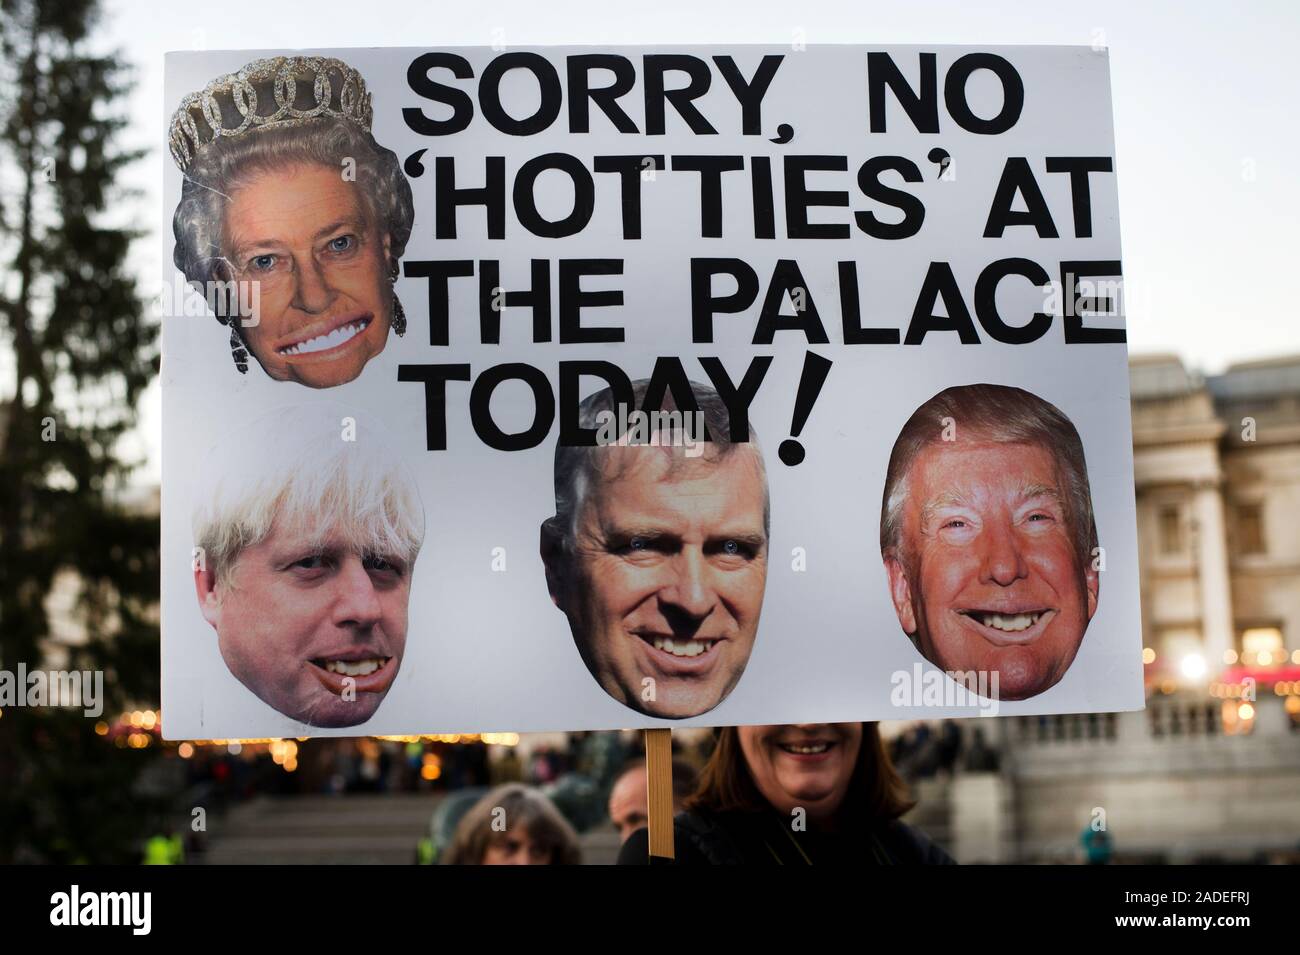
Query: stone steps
{"points": [[321, 830], [343, 830]]}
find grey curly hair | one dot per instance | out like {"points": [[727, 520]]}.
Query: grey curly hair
{"points": [[227, 164]]}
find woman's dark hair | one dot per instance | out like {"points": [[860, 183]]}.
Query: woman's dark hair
{"points": [[522, 808], [875, 789]]}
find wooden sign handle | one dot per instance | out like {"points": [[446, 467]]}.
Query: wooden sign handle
{"points": [[659, 789]]}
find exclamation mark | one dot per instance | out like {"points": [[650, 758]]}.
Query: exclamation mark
{"points": [[815, 370]]}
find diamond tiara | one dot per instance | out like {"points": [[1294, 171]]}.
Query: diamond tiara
{"points": [[300, 88]]}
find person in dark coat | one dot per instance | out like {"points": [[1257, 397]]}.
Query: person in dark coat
{"points": [[806, 794]]}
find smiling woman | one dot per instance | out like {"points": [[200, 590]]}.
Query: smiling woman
{"points": [[806, 794], [289, 203]]}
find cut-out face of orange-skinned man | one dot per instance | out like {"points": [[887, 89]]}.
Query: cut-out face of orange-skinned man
{"points": [[990, 578]]}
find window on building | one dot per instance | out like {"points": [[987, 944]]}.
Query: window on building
{"points": [[1171, 530], [1250, 529], [1263, 646]]}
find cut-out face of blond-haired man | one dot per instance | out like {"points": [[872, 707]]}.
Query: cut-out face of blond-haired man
{"points": [[307, 570]]}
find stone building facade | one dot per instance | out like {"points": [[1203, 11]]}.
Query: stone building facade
{"points": [[1210, 771]]}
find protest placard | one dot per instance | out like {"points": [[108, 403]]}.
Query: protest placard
{"points": [[586, 388]]}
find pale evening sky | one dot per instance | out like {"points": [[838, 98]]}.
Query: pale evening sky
{"points": [[1204, 105]]}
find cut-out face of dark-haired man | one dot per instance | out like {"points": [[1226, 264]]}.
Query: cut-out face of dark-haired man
{"points": [[662, 573]]}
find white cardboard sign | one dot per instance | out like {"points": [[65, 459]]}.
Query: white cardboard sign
{"points": [[731, 284]]}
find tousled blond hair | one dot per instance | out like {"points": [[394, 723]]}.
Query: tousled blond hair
{"points": [[311, 467]]}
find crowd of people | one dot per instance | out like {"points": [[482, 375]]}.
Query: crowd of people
{"points": [[766, 795], [799, 794]]}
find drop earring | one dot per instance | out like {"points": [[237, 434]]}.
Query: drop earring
{"points": [[238, 352], [399, 313], [399, 316]]}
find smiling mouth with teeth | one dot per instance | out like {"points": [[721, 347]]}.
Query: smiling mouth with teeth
{"points": [[805, 749], [1006, 622], [352, 667], [340, 335], [680, 648]]}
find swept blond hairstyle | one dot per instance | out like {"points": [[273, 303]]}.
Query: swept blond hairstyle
{"points": [[296, 466]]}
